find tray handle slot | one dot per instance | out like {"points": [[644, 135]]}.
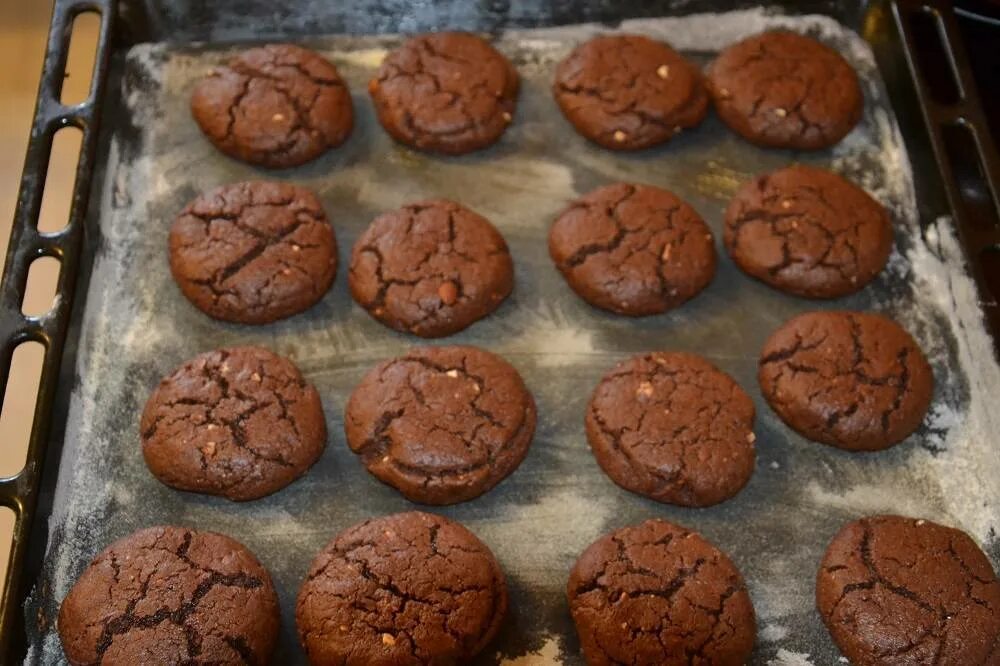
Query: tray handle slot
{"points": [[960, 138], [19, 492]]}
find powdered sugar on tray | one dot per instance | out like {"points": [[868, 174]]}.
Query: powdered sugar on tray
{"points": [[137, 327]]}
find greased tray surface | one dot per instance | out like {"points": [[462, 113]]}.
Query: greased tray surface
{"points": [[137, 327]]}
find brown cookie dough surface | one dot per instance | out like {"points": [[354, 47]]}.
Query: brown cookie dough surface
{"points": [[848, 379], [627, 92], [441, 424], [657, 594], [633, 249], [430, 268], [673, 427], [253, 252], [901, 591], [808, 232], [238, 422], [276, 106], [407, 589], [784, 90], [445, 92], [171, 595]]}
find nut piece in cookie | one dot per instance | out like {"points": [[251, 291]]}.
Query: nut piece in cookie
{"points": [[673, 427], [808, 232], [238, 422], [783, 90], [633, 249], [852, 380], [275, 106], [171, 595], [441, 424], [253, 252], [895, 590], [445, 92], [409, 588], [430, 268], [657, 593], [627, 92]]}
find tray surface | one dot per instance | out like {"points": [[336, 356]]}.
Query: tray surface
{"points": [[137, 327]]}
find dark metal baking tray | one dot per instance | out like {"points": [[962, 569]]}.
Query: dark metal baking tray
{"points": [[131, 325]]}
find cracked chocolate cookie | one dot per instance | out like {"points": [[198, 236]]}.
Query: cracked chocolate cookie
{"points": [[239, 422], [633, 249], [848, 379], [441, 424], [673, 427], [657, 594], [171, 595], [253, 252], [445, 92], [784, 90], [430, 268], [627, 92], [896, 590], [808, 232], [276, 106], [406, 589]]}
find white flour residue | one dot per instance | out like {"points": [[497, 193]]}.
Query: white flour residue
{"points": [[547, 654], [788, 658], [772, 633]]}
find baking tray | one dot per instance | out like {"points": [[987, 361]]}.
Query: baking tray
{"points": [[136, 326]]}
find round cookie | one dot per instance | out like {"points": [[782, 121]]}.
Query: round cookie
{"points": [[430, 268], [275, 106], [253, 252], [171, 595], [848, 379], [896, 590], [672, 427], [238, 422], [441, 424], [657, 594], [445, 92], [633, 249], [808, 232], [783, 90], [407, 589], [627, 92]]}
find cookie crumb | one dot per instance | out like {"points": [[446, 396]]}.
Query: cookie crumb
{"points": [[208, 448], [296, 248], [343, 627], [724, 92], [775, 465], [920, 522], [781, 113], [666, 253], [506, 117], [388, 639], [448, 292], [751, 438], [256, 377], [620, 136], [645, 389], [278, 117], [786, 204], [663, 71], [452, 373]]}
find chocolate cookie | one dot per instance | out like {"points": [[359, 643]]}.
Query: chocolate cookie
{"points": [[430, 268], [627, 92], [441, 424], [851, 380], [633, 249], [445, 92], [238, 422], [896, 590], [808, 232], [406, 589], [784, 90], [278, 105], [657, 594], [673, 427], [253, 252], [171, 595]]}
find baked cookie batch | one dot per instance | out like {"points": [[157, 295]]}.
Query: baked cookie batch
{"points": [[446, 424]]}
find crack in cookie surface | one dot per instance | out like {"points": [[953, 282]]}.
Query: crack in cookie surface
{"points": [[410, 588], [905, 591], [253, 252], [172, 595], [238, 422], [441, 424], [673, 427], [431, 268], [657, 593], [809, 232], [852, 380], [633, 249]]}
